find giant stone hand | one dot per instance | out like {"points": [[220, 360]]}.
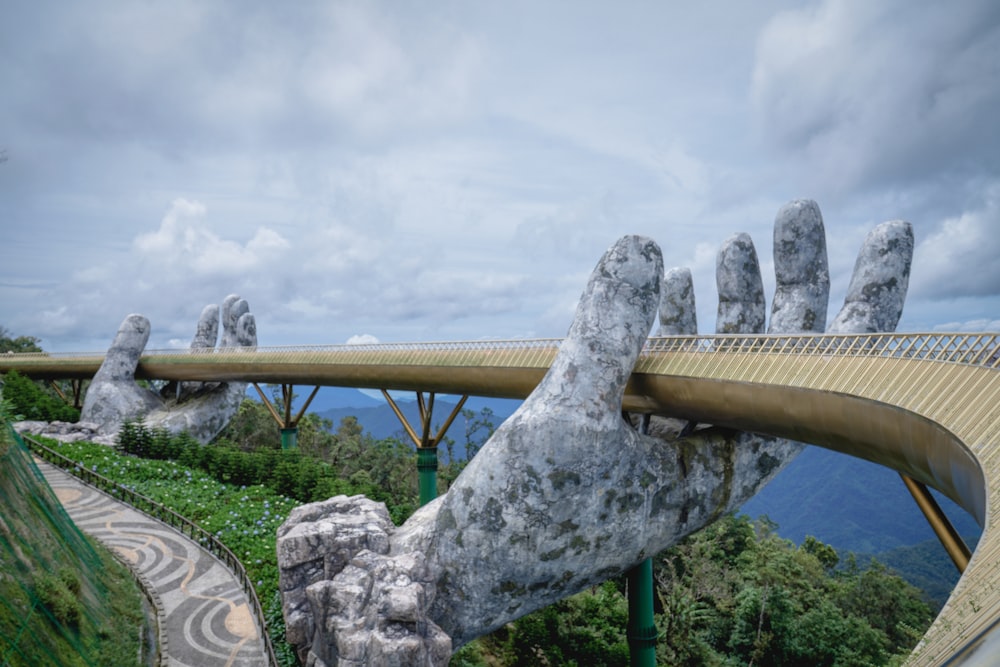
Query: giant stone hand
{"points": [[201, 409], [566, 493]]}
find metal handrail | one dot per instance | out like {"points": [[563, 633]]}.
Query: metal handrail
{"points": [[981, 349], [151, 508]]}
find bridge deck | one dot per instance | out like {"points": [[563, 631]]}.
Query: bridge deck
{"points": [[927, 405]]}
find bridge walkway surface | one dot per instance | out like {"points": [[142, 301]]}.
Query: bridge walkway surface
{"points": [[924, 404], [203, 615]]}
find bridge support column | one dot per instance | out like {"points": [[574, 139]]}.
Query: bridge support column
{"points": [[953, 543], [289, 425], [427, 454], [641, 630], [427, 468], [76, 387]]}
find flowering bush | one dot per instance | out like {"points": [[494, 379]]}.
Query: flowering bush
{"points": [[244, 518]]}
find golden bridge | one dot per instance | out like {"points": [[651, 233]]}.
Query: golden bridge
{"points": [[924, 404]]}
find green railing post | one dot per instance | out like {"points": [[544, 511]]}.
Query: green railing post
{"points": [[427, 467], [290, 438], [641, 625]]}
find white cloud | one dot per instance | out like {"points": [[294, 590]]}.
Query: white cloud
{"points": [[376, 74], [56, 321], [362, 339], [455, 174], [962, 256], [306, 308], [981, 324], [184, 246], [177, 224], [867, 94]]}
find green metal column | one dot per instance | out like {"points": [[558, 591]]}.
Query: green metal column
{"points": [[427, 468], [427, 451], [641, 625], [287, 424], [641, 622]]}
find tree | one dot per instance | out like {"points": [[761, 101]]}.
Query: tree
{"points": [[736, 593], [33, 401], [20, 344], [824, 553]]}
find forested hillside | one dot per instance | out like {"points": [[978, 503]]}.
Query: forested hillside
{"points": [[735, 593]]}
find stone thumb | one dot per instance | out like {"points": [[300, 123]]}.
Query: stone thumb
{"points": [[613, 319], [123, 355]]}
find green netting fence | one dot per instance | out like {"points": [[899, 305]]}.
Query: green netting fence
{"points": [[54, 596]]}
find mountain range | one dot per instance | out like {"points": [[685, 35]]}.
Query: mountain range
{"points": [[851, 504]]}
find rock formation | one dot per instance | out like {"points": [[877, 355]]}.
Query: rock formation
{"points": [[201, 409], [678, 315], [878, 286], [802, 276], [565, 494], [741, 289]]}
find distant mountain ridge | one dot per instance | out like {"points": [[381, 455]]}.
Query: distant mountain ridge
{"points": [[381, 422], [851, 504], [848, 503]]}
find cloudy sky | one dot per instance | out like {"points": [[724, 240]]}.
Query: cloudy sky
{"points": [[453, 170]]}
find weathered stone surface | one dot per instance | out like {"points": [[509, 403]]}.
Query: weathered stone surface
{"points": [[875, 297], [564, 495], [534, 508], [64, 431], [315, 544], [201, 409], [113, 396], [802, 276], [678, 315], [363, 607], [741, 289], [207, 331]]}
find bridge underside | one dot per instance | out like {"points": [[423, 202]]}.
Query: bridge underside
{"points": [[932, 420]]}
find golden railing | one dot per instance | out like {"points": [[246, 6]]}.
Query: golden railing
{"points": [[924, 404], [981, 349]]}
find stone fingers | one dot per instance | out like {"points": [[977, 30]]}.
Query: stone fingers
{"points": [[878, 286], [113, 396], [123, 355], [678, 315], [239, 328], [207, 332], [741, 289], [801, 272]]}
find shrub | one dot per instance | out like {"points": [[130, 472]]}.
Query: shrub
{"points": [[53, 592], [28, 398]]}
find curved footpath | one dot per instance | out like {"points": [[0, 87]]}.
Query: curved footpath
{"points": [[204, 617]]}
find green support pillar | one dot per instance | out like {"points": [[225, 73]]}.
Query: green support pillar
{"points": [[641, 624], [427, 452], [427, 467], [287, 424]]}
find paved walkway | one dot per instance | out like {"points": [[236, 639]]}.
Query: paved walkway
{"points": [[204, 617]]}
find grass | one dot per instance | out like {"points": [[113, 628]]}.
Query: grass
{"points": [[64, 599], [244, 518]]}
